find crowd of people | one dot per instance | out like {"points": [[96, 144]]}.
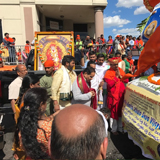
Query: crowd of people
{"points": [[120, 43], [19, 54], [10, 53], [63, 115]]}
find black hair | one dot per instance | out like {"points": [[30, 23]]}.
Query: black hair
{"points": [[84, 146], [27, 81], [110, 36], [100, 56], [67, 59], [17, 69], [89, 70], [105, 110], [28, 123], [117, 53], [92, 53], [14, 38], [90, 62], [123, 57], [27, 41], [6, 34]]}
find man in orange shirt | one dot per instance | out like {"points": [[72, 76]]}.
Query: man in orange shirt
{"points": [[115, 97], [27, 47], [127, 39]]}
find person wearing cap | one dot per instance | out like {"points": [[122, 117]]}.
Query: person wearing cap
{"points": [[115, 97], [46, 82], [116, 43], [79, 43]]}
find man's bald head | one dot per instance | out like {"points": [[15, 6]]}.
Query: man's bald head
{"points": [[77, 133], [78, 117], [21, 70]]}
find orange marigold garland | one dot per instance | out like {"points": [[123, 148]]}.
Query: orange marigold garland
{"points": [[153, 81]]}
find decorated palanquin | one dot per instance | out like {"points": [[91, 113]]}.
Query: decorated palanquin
{"points": [[141, 109], [52, 46]]}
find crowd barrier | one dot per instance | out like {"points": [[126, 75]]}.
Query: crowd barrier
{"points": [[13, 55]]}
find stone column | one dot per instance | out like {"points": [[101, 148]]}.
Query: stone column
{"points": [[99, 28]]}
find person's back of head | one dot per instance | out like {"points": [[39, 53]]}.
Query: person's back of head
{"points": [[78, 132], [28, 82], [106, 112], [88, 70], [124, 57], [91, 64], [27, 42], [34, 101]]}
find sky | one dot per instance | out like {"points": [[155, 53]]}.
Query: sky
{"points": [[122, 17]]}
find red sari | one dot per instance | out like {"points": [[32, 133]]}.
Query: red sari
{"points": [[116, 90], [82, 84]]}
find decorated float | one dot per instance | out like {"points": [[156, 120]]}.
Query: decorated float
{"points": [[141, 110]]}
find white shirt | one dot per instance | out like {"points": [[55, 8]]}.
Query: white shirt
{"points": [[101, 70], [131, 42], [14, 88], [95, 82], [33, 42]]}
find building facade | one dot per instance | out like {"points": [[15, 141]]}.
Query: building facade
{"points": [[21, 18]]}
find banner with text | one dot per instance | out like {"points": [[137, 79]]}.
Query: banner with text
{"points": [[141, 119]]}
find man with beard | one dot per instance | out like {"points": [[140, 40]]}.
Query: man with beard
{"points": [[92, 57], [62, 84], [46, 82], [101, 68]]}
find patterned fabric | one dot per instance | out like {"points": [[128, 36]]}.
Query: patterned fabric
{"points": [[42, 136]]}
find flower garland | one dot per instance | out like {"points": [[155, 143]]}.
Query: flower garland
{"points": [[70, 46], [39, 51], [153, 81]]}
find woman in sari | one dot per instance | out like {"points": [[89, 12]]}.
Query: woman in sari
{"points": [[33, 125], [29, 81]]}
